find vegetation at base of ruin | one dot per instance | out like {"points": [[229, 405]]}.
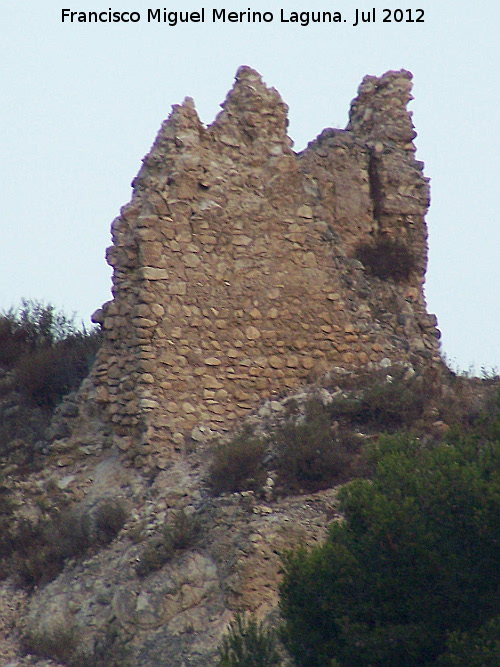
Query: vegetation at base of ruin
{"points": [[170, 539], [40, 549], [388, 259], [479, 648], [248, 643], [35, 552], [401, 399], [237, 465], [62, 643], [411, 575], [321, 443], [315, 453], [7, 508], [108, 519], [43, 357], [31, 327], [59, 644], [387, 399]]}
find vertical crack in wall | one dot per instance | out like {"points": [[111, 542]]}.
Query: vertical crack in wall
{"points": [[375, 186]]}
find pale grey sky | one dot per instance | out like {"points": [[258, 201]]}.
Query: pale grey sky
{"points": [[82, 104]]}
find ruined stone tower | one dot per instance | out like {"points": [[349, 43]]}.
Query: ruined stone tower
{"points": [[237, 272]]}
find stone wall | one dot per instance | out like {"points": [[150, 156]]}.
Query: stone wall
{"points": [[235, 271]]}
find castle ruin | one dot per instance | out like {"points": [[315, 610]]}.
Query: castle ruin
{"points": [[239, 272]]}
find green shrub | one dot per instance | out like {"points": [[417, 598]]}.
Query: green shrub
{"points": [[32, 327], [486, 424], [479, 648], [47, 374], [237, 465], [393, 400], [13, 341], [108, 519], [170, 539], [60, 644], [311, 455], [41, 549], [36, 552], [388, 259], [184, 530], [248, 644], [415, 560], [48, 354], [6, 519], [45, 357]]}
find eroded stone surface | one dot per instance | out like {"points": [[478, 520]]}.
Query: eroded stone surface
{"points": [[234, 263], [235, 283]]}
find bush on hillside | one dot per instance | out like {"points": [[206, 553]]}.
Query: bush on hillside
{"points": [[388, 399], [237, 465], [48, 355], [40, 549], [59, 644], [169, 540], [312, 454], [32, 327], [35, 552], [479, 648], [43, 356], [63, 643], [108, 519], [44, 376], [248, 644], [413, 566]]}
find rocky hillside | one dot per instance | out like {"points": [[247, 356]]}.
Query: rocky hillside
{"points": [[112, 566], [268, 321]]}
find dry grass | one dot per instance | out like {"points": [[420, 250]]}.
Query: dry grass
{"points": [[169, 540], [237, 464]]}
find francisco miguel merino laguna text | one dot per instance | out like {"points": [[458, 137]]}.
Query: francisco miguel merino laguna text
{"points": [[304, 18]]}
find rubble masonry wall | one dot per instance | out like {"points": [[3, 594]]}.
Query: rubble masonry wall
{"points": [[235, 276]]}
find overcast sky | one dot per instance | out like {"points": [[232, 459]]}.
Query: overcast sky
{"points": [[82, 104]]}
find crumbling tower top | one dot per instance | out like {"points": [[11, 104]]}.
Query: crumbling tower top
{"points": [[237, 273], [380, 114]]}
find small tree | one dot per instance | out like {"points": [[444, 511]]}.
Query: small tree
{"points": [[248, 644], [34, 326], [416, 559], [47, 353], [479, 648], [237, 465], [310, 456]]}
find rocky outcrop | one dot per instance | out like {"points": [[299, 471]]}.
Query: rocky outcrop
{"points": [[236, 264], [100, 610], [245, 276]]}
